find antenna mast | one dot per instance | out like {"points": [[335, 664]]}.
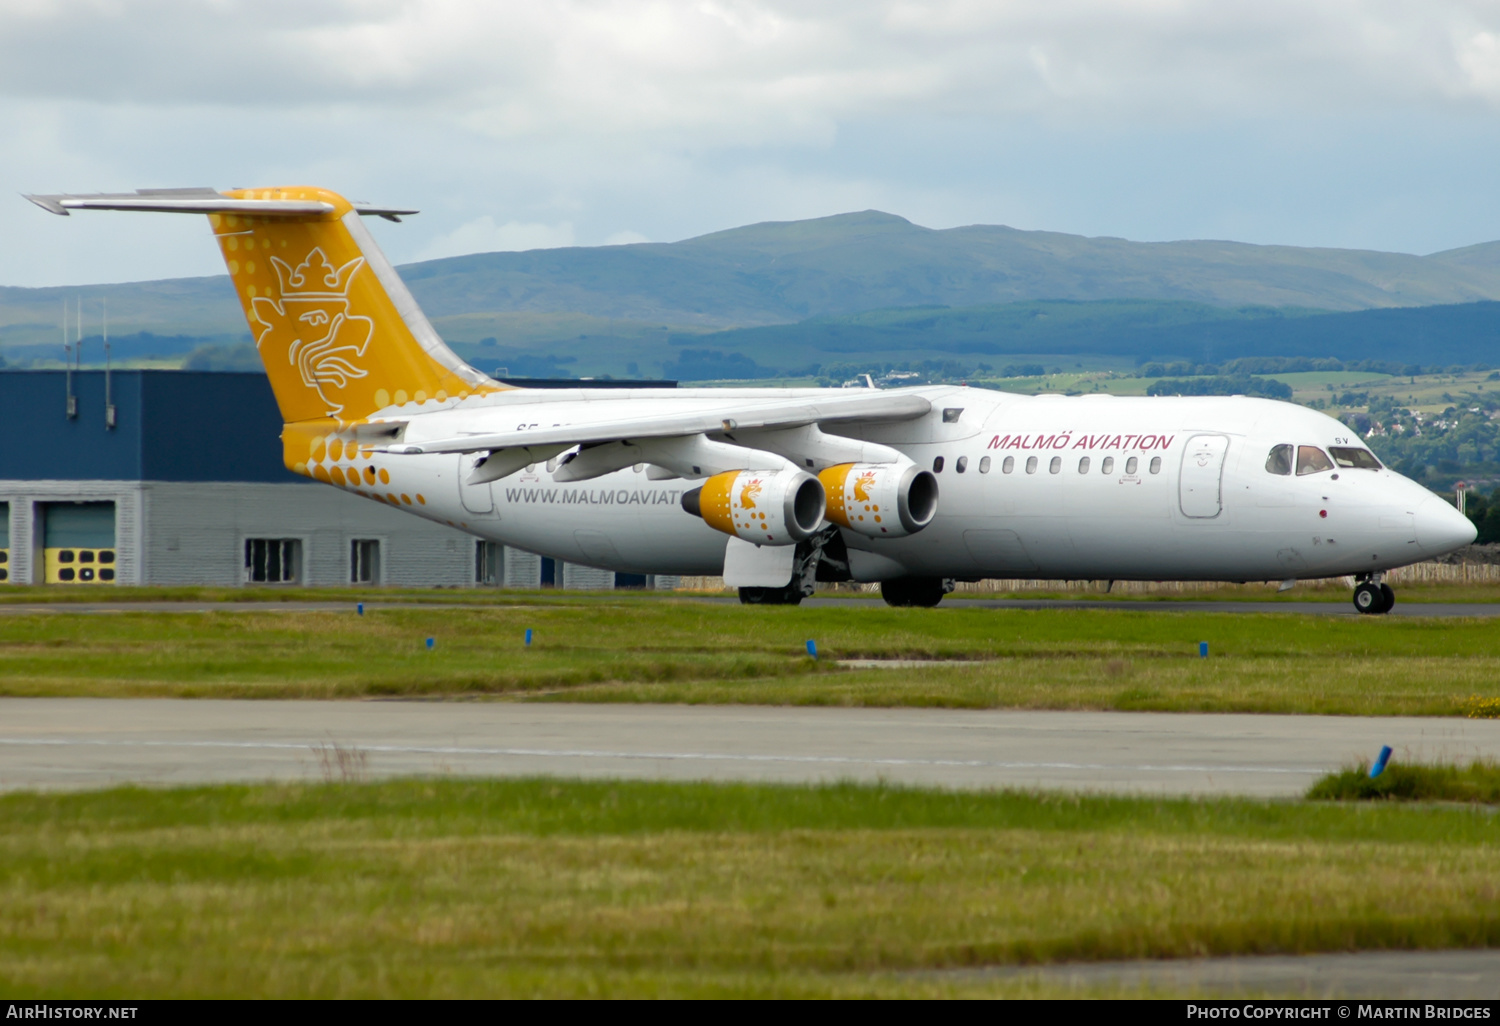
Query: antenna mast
{"points": [[109, 402], [68, 362]]}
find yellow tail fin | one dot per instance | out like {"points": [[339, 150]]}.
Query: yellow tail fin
{"points": [[340, 335]]}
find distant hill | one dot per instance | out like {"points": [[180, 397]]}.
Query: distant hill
{"points": [[1466, 333], [786, 271], [778, 272]]}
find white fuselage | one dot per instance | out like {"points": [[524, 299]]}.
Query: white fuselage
{"points": [[1207, 509]]}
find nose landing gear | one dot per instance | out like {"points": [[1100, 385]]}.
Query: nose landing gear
{"points": [[1373, 597]]}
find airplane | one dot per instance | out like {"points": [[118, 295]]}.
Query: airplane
{"points": [[777, 489]]}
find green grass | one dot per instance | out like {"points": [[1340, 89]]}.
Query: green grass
{"points": [[48, 594], [1477, 782], [535, 887], [677, 650]]}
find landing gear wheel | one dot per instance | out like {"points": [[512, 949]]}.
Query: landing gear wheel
{"points": [[913, 591], [789, 596], [1373, 599]]}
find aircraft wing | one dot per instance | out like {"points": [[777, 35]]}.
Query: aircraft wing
{"points": [[740, 415]]}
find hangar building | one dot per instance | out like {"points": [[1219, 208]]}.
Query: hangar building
{"points": [[175, 477]]}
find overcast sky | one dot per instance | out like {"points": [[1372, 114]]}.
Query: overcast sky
{"points": [[515, 125]]}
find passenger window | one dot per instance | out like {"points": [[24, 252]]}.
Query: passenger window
{"points": [[1312, 460], [1280, 460], [984, 464], [1359, 459], [1008, 465], [962, 465], [1031, 464], [937, 465], [1131, 464], [1156, 464], [1083, 465], [1108, 466], [1055, 465]]}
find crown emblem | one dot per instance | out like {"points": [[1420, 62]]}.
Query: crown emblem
{"points": [[315, 277]]}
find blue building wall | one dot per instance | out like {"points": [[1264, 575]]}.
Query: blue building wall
{"points": [[170, 426]]}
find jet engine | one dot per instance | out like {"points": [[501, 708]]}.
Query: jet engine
{"points": [[767, 507], [880, 500]]}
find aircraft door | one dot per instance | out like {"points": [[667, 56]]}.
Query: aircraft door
{"points": [[1199, 485], [475, 498]]}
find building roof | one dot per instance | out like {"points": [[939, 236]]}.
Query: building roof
{"points": [[170, 426]]}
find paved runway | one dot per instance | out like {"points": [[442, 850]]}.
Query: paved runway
{"points": [[1371, 975], [1341, 608], [84, 743]]}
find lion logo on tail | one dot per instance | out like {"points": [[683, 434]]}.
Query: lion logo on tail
{"points": [[323, 340]]}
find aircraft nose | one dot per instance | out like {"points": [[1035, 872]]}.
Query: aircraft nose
{"points": [[1441, 528]]}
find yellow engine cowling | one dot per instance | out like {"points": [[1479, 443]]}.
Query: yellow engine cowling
{"points": [[880, 500], [767, 507]]}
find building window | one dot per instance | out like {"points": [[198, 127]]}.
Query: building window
{"points": [[364, 561], [273, 560], [489, 563]]}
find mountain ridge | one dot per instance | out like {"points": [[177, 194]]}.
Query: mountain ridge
{"points": [[782, 272]]}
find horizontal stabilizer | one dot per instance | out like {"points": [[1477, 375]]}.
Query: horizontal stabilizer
{"points": [[199, 201]]}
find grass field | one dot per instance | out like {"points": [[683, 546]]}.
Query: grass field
{"points": [[502, 888], [1478, 781], [640, 649]]}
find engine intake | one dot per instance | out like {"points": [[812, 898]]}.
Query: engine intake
{"points": [[880, 500], [775, 507]]}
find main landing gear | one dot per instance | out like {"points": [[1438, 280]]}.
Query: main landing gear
{"points": [[791, 595], [1373, 597], [915, 591]]}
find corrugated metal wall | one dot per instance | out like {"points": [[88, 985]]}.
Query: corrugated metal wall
{"points": [[197, 534]]}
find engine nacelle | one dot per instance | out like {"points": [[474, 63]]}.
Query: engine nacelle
{"points": [[767, 507], [880, 500]]}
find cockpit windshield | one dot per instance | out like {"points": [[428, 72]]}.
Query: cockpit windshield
{"points": [[1312, 460], [1280, 460], [1359, 459]]}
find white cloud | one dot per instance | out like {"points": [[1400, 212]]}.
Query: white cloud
{"points": [[517, 124], [746, 70], [625, 238], [483, 235]]}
